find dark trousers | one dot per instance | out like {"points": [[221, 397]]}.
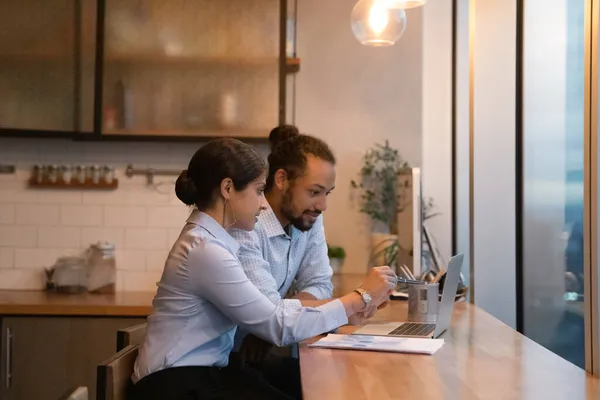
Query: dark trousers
{"points": [[280, 371], [195, 383]]}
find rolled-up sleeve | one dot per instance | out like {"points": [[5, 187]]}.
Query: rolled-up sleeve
{"points": [[216, 275], [314, 274]]}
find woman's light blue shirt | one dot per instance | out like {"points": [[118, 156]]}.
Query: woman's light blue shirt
{"points": [[204, 295]]}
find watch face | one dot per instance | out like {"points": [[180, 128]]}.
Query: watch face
{"points": [[367, 297]]}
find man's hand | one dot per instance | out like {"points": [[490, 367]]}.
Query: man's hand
{"points": [[385, 301], [357, 319], [254, 350], [361, 317]]}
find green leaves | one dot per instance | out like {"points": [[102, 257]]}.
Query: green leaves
{"points": [[379, 183], [336, 252], [382, 196]]}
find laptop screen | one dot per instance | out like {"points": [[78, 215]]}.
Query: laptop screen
{"points": [[449, 293]]}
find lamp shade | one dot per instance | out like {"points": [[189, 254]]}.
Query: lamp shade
{"points": [[376, 24], [403, 4]]}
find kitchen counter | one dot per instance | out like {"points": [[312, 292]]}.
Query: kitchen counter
{"points": [[120, 304]]}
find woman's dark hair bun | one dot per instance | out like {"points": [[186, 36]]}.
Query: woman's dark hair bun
{"points": [[185, 189], [282, 133]]}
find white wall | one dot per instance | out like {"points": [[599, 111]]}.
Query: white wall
{"points": [[354, 96], [437, 121]]}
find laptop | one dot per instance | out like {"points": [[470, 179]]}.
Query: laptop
{"points": [[424, 329]]}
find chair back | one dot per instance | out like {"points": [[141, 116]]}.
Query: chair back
{"points": [[132, 335], [113, 376]]}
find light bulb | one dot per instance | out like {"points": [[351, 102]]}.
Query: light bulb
{"points": [[375, 24], [404, 4], [378, 18]]}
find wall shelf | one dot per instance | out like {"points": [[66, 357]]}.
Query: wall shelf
{"points": [[190, 59], [74, 185]]}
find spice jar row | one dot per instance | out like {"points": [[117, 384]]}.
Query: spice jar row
{"points": [[73, 176]]}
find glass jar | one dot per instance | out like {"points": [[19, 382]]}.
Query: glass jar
{"points": [[52, 174], [65, 174], [109, 174], [102, 267], [69, 275], [80, 174]]}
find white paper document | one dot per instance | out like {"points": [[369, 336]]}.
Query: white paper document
{"points": [[380, 343]]}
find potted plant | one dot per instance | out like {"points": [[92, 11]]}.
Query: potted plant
{"points": [[388, 251], [379, 197], [337, 255], [382, 199]]}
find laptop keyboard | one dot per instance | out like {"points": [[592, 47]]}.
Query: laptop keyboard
{"points": [[413, 329]]}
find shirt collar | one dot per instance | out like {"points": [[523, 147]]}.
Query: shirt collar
{"points": [[270, 223], [207, 222]]}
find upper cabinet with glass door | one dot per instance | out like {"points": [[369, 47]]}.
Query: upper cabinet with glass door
{"points": [[41, 64], [203, 68]]}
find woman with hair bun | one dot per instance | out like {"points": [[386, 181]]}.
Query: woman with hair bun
{"points": [[203, 294]]}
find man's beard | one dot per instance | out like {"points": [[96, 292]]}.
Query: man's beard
{"points": [[287, 211]]}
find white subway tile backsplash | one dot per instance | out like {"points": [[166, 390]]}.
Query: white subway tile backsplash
{"points": [[23, 279], [73, 215], [10, 194], [38, 226], [59, 237], [58, 196], [113, 197], [64, 152], [136, 182], [120, 216], [39, 258], [7, 257], [155, 260], [90, 235], [131, 260], [145, 239], [120, 281], [146, 196], [174, 201], [168, 217], [38, 214], [18, 236], [7, 214], [140, 281], [17, 150], [172, 236], [5, 178]]}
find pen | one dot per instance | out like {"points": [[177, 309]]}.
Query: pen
{"points": [[409, 281]]}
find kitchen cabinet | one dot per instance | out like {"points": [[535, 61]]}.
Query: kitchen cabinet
{"points": [[45, 50], [44, 357], [200, 68], [135, 69]]}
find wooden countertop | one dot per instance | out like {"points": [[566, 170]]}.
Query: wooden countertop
{"points": [[482, 358], [120, 304]]}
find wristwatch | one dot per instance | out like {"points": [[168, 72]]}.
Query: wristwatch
{"points": [[366, 297]]}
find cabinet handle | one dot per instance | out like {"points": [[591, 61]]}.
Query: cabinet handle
{"points": [[9, 343]]}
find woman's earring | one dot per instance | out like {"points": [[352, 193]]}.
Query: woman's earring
{"points": [[225, 213]]}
